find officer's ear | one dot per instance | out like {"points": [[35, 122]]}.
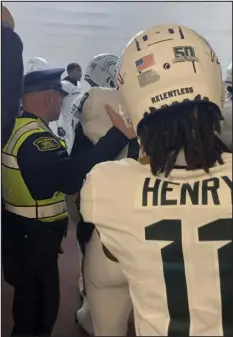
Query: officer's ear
{"points": [[48, 100]]}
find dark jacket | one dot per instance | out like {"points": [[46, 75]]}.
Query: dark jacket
{"points": [[12, 80], [53, 170]]}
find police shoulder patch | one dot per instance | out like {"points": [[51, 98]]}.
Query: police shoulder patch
{"points": [[46, 144]]}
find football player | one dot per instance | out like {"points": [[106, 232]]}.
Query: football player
{"points": [[65, 127], [95, 123], [228, 82], [100, 72], [36, 63], [167, 218], [226, 135]]}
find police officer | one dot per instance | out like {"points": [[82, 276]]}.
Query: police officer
{"points": [[36, 172]]}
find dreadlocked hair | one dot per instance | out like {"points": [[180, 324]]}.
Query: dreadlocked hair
{"points": [[188, 126]]}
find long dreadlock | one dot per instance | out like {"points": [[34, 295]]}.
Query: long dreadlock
{"points": [[188, 126]]}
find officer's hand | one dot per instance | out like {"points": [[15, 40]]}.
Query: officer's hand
{"points": [[7, 17], [119, 123]]}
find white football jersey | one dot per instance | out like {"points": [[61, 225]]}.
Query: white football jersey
{"points": [[226, 134], [67, 121], [93, 116], [172, 237]]}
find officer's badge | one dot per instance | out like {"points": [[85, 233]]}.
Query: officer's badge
{"points": [[46, 144]]}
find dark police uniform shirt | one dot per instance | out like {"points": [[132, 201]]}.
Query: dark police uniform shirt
{"points": [[46, 172]]}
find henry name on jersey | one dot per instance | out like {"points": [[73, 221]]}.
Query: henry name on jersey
{"points": [[156, 192]]}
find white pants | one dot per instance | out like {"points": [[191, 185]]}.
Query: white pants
{"points": [[106, 290]]}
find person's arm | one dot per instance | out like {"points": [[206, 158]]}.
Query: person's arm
{"points": [[12, 79], [107, 148], [81, 142], [48, 169], [133, 149]]}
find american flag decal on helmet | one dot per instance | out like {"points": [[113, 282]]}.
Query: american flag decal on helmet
{"points": [[145, 62]]}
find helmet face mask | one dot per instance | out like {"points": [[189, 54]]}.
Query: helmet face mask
{"points": [[101, 71], [167, 65], [228, 82]]}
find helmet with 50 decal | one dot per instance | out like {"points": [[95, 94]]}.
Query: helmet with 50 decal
{"points": [[101, 71], [164, 66]]}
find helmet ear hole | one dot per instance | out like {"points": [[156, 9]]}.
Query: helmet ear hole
{"points": [[102, 69], [112, 85]]}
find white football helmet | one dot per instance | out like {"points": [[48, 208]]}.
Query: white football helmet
{"points": [[36, 63], [167, 65], [228, 81], [101, 71]]}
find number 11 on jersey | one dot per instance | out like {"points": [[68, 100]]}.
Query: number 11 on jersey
{"points": [[175, 261]]}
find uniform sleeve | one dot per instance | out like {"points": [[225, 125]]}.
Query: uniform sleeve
{"points": [[81, 142], [46, 167], [107, 149], [133, 149], [87, 208]]}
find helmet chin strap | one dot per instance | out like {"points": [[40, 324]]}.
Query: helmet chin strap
{"points": [[92, 83], [112, 85]]}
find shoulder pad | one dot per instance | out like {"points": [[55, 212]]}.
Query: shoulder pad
{"points": [[80, 107]]}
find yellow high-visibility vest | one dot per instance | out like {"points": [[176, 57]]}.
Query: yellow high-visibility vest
{"points": [[17, 198]]}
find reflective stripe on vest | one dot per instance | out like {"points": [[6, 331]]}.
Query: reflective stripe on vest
{"points": [[9, 161], [45, 211], [20, 132]]}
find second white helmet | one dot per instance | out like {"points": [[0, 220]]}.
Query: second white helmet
{"points": [[36, 63], [167, 65], [101, 71], [228, 81]]}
